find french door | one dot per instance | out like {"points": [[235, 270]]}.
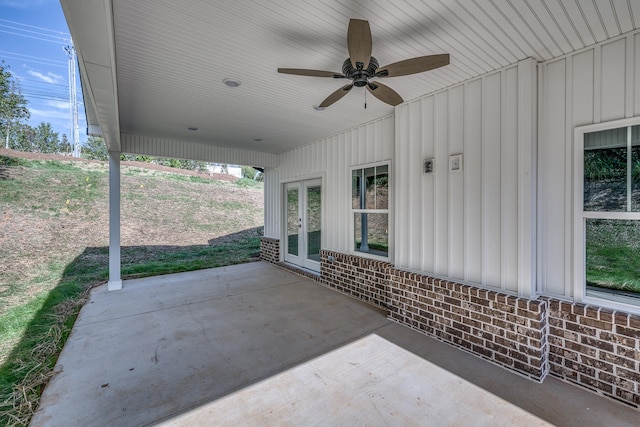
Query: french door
{"points": [[303, 212]]}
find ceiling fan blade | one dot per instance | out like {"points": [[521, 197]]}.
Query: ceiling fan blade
{"points": [[384, 93], [413, 65], [359, 42], [335, 96], [310, 73]]}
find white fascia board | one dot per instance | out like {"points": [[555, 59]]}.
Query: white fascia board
{"points": [[91, 25]]}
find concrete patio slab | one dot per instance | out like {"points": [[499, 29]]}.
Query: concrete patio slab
{"points": [[258, 345]]}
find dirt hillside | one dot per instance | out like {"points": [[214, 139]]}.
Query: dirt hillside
{"points": [[52, 214]]}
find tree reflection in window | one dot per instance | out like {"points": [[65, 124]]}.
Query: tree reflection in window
{"points": [[370, 207]]}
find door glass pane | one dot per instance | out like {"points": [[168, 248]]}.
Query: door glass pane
{"points": [[371, 233], [292, 221], [605, 170], [313, 223], [613, 255]]}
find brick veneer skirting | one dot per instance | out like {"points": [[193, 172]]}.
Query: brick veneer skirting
{"points": [[506, 330], [363, 278], [596, 348], [270, 249]]}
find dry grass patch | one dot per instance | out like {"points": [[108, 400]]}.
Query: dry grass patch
{"points": [[54, 240]]}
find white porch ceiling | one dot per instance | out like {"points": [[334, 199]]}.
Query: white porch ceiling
{"points": [[169, 58]]}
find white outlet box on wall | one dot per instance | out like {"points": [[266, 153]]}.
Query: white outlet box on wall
{"points": [[455, 163]]}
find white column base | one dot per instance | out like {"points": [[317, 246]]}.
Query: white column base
{"points": [[114, 285]]}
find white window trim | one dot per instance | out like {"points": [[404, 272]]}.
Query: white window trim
{"points": [[628, 304], [388, 211]]}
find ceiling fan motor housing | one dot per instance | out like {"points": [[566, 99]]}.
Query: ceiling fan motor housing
{"points": [[359, 76]]}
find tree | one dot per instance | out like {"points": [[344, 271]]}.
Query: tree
{"points": [[65, 145], [252, 173], [13, 106], [248, 172], [95, 149], [45, 139], [21, 137]]}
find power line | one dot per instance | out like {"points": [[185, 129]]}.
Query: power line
{"points": [[32, 37], [17, 29], [22, 79], [44, 93], [46, 89], [36, 62], [39, 33], [30, 56], [50, 98], [33, 26]]}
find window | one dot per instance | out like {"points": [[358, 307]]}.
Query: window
{"points": [[370, 209], [608, 214]]}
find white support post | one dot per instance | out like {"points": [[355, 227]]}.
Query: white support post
{"points": [[527, 177], [115, 281]]}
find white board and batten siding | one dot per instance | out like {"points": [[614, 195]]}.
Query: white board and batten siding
{"points": [[475, 225], [594, 85], [332, 159]]}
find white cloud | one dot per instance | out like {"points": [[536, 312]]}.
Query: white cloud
{"points": [[62, 105], [48, 78], [48, 114]]}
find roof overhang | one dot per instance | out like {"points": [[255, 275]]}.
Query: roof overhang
{"points": [[153, 70], [91, 25]]}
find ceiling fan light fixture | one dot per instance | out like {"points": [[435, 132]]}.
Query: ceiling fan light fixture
{"points": [[231, 82], [318, 108]]}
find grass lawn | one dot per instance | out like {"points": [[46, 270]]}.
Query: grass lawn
{"points": [[53, 246], [613, 254]]}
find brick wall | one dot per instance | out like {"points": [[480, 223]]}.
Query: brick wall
{"points": [[363, 278], [591, 346], [596, 348], [509, 331], [270, 249]]}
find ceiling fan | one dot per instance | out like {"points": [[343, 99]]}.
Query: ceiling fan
{"points": [[361, 66]]}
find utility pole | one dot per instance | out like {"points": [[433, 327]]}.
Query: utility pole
{"points": [[73, 99]]}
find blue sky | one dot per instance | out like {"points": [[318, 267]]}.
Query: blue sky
{"points": [[33, 35]]}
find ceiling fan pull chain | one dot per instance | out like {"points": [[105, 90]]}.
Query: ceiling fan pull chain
{"points": [[365, 99]]}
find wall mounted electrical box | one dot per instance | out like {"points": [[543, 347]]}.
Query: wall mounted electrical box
{"points": [[428, 166]]}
